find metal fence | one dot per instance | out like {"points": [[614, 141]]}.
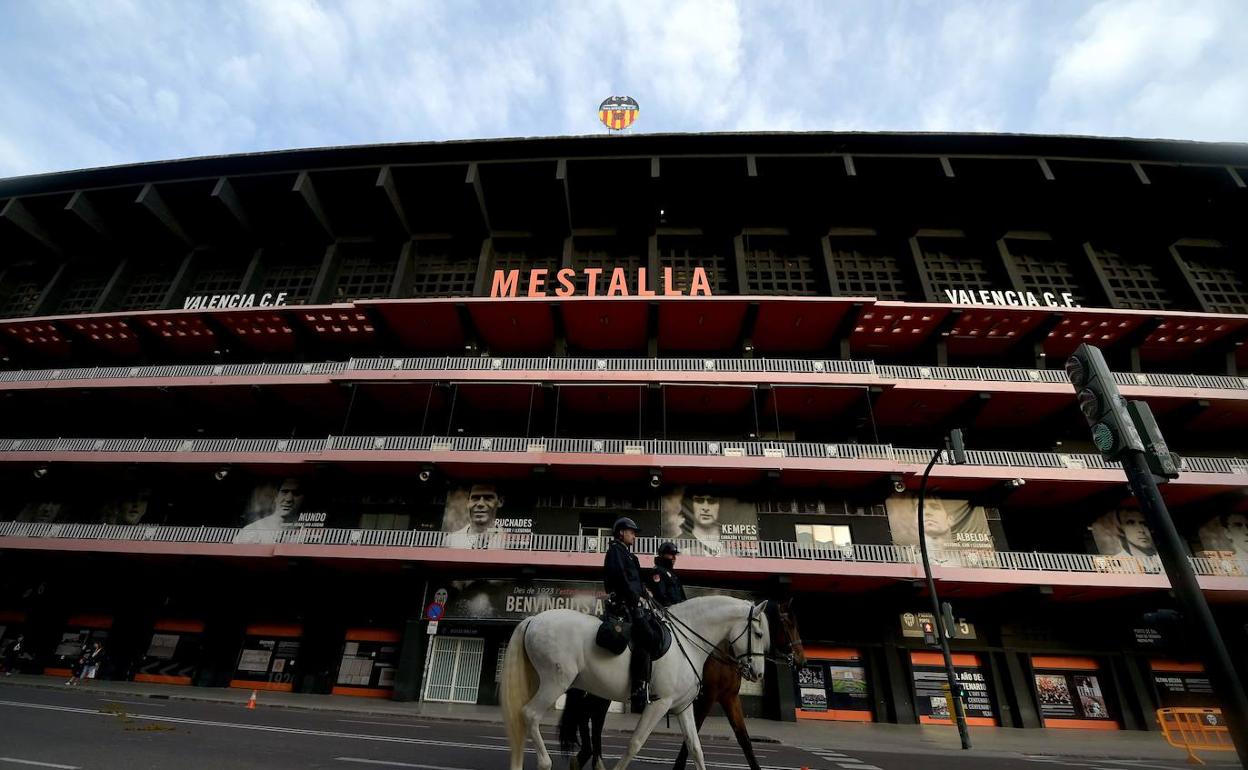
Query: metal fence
{"points": [[586, 544], [589, 446], [867, 369]]}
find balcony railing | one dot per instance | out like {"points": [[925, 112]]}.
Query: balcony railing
{"points": [[589, 446], [584, 544], [866, 369]]}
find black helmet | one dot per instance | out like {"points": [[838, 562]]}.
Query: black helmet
{"points": [[624, 523], [668, 549]]}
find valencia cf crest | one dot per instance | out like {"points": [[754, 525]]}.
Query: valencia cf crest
{"points": [[618, 112]]}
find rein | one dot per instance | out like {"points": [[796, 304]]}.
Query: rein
{"points": [[710, 648]]}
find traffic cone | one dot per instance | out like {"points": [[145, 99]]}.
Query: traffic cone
{"points": [[251, 702]]}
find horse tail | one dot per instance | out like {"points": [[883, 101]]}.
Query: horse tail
{"points": [[571, 719], [519, 685]]}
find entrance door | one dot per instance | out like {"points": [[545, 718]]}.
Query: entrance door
{"points": [[454, 669]]}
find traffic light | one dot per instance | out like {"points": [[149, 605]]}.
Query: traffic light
{"points": [[929, 633], [1113, 431], [1161, 461], [956, 446]]}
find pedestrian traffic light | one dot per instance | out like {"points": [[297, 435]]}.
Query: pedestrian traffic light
{"points": [[1161, 461], [1113, 431], [929, 633]]}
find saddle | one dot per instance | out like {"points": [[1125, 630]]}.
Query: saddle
{"points": [[616, 635]]}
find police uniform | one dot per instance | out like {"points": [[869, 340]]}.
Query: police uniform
{"points": [[623, 576], [625, 590], [664, 584]]}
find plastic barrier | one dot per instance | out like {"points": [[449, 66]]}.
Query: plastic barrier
{"points": [[1195, 729]]}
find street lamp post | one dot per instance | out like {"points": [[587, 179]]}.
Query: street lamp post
{"points": [[959, 713]]}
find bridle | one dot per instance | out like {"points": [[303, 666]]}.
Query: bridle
{"points": [[712, 650], [786, 657]]}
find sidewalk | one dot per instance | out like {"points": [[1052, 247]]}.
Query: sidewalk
{"points": [[843, 736]]}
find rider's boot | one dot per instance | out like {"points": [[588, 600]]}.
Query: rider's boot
{"points": [[639, 670]]}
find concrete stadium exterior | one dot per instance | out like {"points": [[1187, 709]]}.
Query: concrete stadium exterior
{"points": [[268, 417]]}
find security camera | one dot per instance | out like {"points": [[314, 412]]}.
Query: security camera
{"points": [[656, 479], [221, 473], [40, 472], [1016, 483], [899, 486], [425, 475]]}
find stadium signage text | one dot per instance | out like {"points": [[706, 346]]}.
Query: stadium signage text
{"points": [[1011, 298], [205, 301], [563, 283]]}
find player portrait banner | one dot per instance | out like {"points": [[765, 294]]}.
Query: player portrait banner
{"points": [[708, 524], [129, 507], [957, 532], [1124, 533], [484, 514], [1227, 535]]}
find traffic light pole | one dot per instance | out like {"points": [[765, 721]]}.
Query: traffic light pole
{"points": [[955, 689], [1195, 610]]}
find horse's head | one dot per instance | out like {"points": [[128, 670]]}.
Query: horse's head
{"points": [[786, 640], [750, 645]]}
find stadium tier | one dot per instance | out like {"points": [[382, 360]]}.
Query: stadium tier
{"points": [[335, 420]]}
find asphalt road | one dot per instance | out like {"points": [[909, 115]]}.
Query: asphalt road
{"points": [[72, 729]]}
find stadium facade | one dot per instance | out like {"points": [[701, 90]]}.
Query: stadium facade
{"points": [[335, 420]]}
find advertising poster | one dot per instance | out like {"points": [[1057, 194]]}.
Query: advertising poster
{"points": [[510, 600], [812, 688], [1226, 534], [129, 508], [369, 663], [268, 658], [957, 532], [1123, 533], [70, 647], [172, 653], [480, 515], [1069, 692], [1182, 685], [717, 525], [931, 686], [848, 687]]}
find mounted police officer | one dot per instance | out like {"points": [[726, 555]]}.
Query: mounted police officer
{"points": [[664, 584], [625, 593]]}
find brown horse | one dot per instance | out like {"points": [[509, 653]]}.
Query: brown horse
{"points": [[584, 714]]}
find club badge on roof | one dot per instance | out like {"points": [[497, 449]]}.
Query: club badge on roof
{"points": [[618, 112]]}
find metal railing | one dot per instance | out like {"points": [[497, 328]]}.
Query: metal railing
{"points": [[587, 544], [588, 446], [866, 369]]}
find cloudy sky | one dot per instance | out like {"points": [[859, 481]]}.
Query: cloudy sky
{"points": [[99, 82]]}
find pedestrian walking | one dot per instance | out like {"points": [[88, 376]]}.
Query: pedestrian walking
{"points": [[12, 655]]}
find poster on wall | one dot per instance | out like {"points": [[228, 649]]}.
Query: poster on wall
{"points": [[717, 525], [1069, 692], [931, 687], [812, 688], [480, 516], [1227, 536], [172, 653], [957, 532], [41, 512], [498, 599], [277, 505], [369, 663], [268, 658], [128, 508], [1182, 685], [1124, 533]]}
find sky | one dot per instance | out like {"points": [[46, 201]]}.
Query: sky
{"points": [[100, 82]]}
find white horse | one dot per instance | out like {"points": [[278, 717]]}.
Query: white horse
{"points": [[556, 650]]}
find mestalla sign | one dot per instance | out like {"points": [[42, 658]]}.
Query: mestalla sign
{"points": [[1010, 298], [541, 282]]}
